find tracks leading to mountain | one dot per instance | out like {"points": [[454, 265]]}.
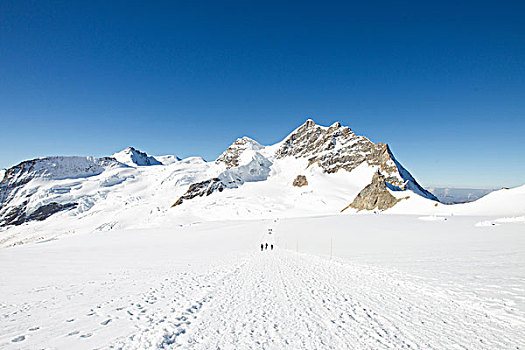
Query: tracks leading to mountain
{"points": [[282, 300]]}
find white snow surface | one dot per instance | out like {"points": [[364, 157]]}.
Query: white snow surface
{"points": [[393, 282]]}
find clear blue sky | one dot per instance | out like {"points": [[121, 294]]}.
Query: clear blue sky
{"points": [[442, 82]]}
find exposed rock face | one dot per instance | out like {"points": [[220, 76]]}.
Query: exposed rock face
{"points": [[337, 147], [200, 189], [231, 155], [374, 196], [16, 196], [300, 181], [19, 215], [257, 169]]}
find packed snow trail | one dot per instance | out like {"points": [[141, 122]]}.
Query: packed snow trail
{"points": [[280, 299]]}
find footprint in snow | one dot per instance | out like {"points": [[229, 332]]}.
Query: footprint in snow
{"points": [[105, 322], [73, 333], [18, 339], [34, 329], [87, 335], [70, 320]]}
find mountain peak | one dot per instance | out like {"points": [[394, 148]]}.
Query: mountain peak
{"points": [[233, 154], [133, 157], [309, 123], [337, 148]]}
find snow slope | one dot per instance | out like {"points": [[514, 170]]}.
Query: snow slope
{"points": [[394, 282], [504, 202]]}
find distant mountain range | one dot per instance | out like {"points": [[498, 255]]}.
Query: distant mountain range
{"points": [[315, 170], [453, 195]]}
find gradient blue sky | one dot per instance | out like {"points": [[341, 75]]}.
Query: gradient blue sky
{"points": [[442, 82]]}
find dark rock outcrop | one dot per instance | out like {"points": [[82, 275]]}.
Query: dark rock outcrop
{"points": [[18, 215], [374, 196], [300, 181], [200, 189]]}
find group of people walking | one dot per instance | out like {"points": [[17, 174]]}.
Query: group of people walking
{"points": [[265, 246]]}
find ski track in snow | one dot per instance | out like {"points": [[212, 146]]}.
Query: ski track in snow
{"points": [[279, 299]]}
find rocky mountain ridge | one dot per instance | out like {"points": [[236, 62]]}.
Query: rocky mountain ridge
{"points": [[334, 148], [37, 189]]}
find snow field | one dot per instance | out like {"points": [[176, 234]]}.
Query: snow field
{"points": [[394, 282]]}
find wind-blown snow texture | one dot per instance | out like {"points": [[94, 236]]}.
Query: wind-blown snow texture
{"points": [[394, 282]]}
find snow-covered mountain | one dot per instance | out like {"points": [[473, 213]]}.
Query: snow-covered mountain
{"points": [[133, 157], [33, 190], [315, 170], [328, 150]]}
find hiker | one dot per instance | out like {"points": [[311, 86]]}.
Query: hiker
{"points": [[262, 247], [266, 246]]}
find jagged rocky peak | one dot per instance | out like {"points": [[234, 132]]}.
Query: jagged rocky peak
{"points": [[310, 140], [232, 156], [133, 157], [337, 147], [374, 196]]}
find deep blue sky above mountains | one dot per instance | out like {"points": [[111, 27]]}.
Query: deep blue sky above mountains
{"points": [[442, 82]]}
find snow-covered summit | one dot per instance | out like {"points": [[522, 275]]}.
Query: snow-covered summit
{"points": [[58, 167], [239, 152], [133, 157], [24, 193]]}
